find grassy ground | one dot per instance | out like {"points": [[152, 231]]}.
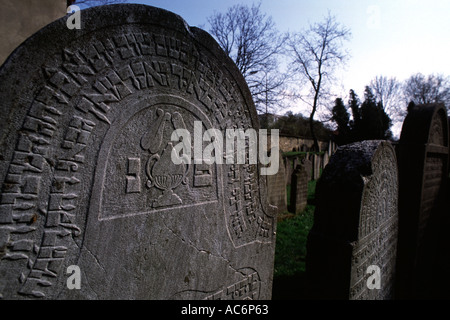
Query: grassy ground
{"points": [[290, 250], [292, 233]]}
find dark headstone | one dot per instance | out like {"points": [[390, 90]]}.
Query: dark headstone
{"points": [[315, 162], [86, 175], [289, 167], [326, 158], [423, 169], [308, 167], [276, 186], [299, 189], [355, 224]]}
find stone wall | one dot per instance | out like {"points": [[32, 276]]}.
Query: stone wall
{"points": [[292, 143]]}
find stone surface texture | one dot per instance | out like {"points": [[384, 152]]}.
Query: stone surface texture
{"points": [[276, 186], [423, 170], [85, 170], [355, 223], [299, 189]]}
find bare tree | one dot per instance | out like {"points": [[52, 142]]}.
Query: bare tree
{"points": [[268, 91], [388, 91], [431, 89], [250, 38], [315, 54]]}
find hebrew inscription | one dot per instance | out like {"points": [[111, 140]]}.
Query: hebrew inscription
{"points": [[378, 229], [86, 173]]}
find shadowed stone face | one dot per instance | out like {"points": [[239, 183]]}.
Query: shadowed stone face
{"points": [[423, 164], [87, 177], [356, 224]]}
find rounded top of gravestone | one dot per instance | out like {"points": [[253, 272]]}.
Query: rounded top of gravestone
{"points": [[355, 222], [89, 121], [35, 53], [343, 181], [425, 123]]}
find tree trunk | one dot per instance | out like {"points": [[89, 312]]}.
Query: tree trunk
{"points": [[311, 127], [311, 118]]}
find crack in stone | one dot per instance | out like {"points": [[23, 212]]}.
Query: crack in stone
{"points": [[96, 260], [189, 243]]}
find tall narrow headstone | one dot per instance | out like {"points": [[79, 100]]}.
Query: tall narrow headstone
{"points": [[316, 160], [92, 204], [276, 186], [326, 158], [308, 167], [289, 167], [299, 189], [423, 169], [351, 248]]}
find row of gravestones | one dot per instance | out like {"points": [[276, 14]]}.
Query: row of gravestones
{"points": [[295, 171], [92, 207], [381, 221], [313, 163]]}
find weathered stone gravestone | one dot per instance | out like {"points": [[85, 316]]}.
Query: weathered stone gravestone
{"points": [[299, 189], [308, 167], [423, 169], [276, 186], [326, 158], [315, 164], [351, 249], [289, 167], [87, 180]]}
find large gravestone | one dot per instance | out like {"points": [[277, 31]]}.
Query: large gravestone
{"points": [[423, 169], [86, 174], [355, 224]]}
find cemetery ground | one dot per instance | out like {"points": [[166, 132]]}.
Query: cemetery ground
{"points": [[290, 250]]}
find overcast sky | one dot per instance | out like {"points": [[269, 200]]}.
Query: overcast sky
{"points": [[394, 38], [389, 37]]}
